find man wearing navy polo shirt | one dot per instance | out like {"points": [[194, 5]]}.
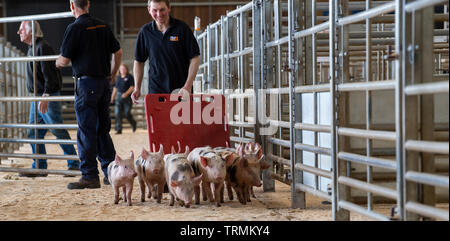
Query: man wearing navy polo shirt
{"points": [[172, 51], [90, 44]]}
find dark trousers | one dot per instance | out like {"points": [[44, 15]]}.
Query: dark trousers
{"points": [[92, 98], [123, 109]]}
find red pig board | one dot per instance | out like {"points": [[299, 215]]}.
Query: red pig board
{"points": [[199, 121]]}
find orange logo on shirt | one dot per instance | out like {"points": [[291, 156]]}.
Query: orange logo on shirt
{"points": [[173, 38]]}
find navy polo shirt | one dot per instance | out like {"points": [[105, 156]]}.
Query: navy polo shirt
{"points": [[169, 54], [89, 43], [123, 84]]}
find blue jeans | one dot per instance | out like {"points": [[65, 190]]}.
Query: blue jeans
{"points": [[123, 108], [53, 116], [92, 98]]}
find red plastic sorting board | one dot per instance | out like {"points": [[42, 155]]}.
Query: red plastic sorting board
{"points": [[194, 123]]}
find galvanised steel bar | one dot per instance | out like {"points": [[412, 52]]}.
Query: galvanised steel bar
{"points": [[382, 9], [358, 209], [427, 211], [296, 199], [427, 88], [39, 156], [39, 141], [399, 105], [313, 170], [421, 4], [428, 179], [36, 17], [383, 191], [33, 99], [40, 171], [187, 4], [29, 59], [372, 161], [368, 77], [33, 26], [427, 146], [240, 10], [305, 188], [368, 134]]}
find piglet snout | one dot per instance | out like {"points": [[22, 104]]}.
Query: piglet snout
{"points": [[155, 171]]}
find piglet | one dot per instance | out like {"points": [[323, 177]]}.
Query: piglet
{"points": [[180, 178], [205, 161], [150, 171], [242, 176], [121, 173], [252, 151]]}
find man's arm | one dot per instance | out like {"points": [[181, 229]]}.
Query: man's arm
{"points": [[138, 70], [128, 92], [113, 95], [115, 64], [62, 62], [193, 69]]}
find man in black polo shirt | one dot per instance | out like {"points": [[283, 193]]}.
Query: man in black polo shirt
{"points": [[89, 43], [172, 50]]}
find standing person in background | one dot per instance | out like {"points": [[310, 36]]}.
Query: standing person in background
{"points": [[90, 44], [48, 83], [172, 50], [123, 88]]}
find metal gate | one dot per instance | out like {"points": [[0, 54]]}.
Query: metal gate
{"points": [[15, 103], [349, 95]]}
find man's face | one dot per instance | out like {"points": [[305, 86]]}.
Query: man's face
{"points": [[25, 32], [159, 12]]}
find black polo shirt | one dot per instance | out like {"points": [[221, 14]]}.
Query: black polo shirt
{"points": [[123, 84], [169, 54], [89, 43]]}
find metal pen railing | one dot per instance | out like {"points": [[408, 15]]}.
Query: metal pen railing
{"points": [[7, 99], [320, 68]]}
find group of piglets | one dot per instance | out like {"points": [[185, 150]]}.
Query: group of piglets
{"points": [[186, 173]]}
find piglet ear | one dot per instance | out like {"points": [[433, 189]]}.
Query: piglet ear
{"points": [[174, 183], [132, 155], [186, 152], [117, 159], [229, 159], [261, 158], [173, 150], [196, 180], [204, 161], [240, 149], [161, 150], [144, 153]]}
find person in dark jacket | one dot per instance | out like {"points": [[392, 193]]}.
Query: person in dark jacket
{"points": [[123, 88], [48, 83]]}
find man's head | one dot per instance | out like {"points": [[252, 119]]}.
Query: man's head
{"points": [[80, 6], [26, 34], [159, 10]]}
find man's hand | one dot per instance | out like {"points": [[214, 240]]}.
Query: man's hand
{"points": [[43, 106], [62, 62], [135, 95]]}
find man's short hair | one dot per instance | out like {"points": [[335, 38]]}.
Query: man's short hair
{"points": [[80, 3], [37, 29], [158, 1]]}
